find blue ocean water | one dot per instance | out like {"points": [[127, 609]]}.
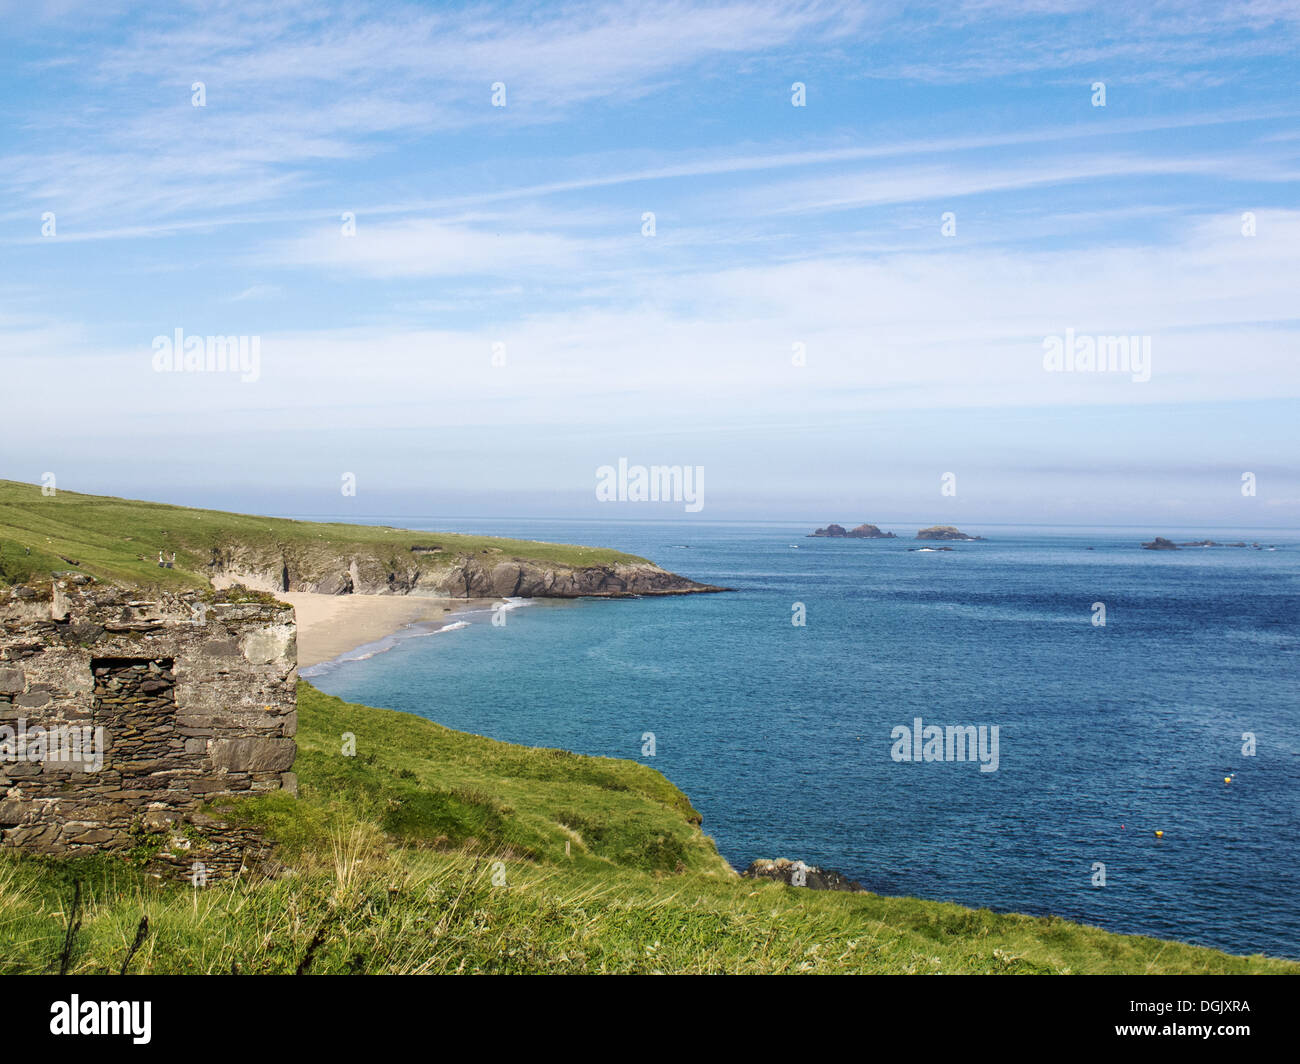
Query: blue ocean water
{"points": [[781, 735]]}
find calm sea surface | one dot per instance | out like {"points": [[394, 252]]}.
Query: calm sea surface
{"points": [[781, 735]]}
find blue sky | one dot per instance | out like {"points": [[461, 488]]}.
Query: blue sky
{"points": [[775, 226]]}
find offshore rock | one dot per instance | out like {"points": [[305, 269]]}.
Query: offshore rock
{"points": [[863, 531], [947, 532]]}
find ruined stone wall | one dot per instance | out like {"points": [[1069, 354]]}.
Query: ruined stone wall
{"points": [[190, 699]]}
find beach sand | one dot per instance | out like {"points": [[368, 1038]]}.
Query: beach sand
{"points": [[330, 625]]}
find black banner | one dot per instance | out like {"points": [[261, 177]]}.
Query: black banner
{"points": [[153, 1014]]}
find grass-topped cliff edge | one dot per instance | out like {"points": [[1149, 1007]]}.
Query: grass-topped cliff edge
{"points": [[432, 850], [120, 540]]}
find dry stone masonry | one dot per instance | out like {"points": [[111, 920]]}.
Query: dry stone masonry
{"points": [[122, 712]]}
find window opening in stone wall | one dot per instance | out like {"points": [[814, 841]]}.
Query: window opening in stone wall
{"points": [[135, 703]]}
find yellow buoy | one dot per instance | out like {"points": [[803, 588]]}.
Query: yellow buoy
{"points": [[1227, 779], [1160, 834]]}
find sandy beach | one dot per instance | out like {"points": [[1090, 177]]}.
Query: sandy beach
{"points": [[330, 625]]}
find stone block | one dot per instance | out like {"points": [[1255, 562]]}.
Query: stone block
{"points": [[268, 646], [220, 648], [253, 755]]}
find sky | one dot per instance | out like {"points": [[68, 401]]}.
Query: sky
{"points": [[819, 251]]}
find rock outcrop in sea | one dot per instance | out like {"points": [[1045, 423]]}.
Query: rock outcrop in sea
{"points": [[1161, 543], [946, 532], [863, 531]]}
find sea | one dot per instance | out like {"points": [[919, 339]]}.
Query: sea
{"points": [[1146, 707]]}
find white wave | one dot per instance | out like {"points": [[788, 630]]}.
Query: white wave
{"points": [[368, 650]]}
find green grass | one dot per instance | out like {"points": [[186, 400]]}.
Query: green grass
{"points": [[396, 859], [119, 540]]}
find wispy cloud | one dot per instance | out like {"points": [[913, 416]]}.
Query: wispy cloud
{"points": [[526, 226]]}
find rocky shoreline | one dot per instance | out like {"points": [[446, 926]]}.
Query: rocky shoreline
{"points": [[799, 874]]}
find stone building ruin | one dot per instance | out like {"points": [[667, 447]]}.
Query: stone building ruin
{"points": [[122, 712]]}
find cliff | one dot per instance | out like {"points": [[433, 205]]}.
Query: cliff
{"points": [[488, 573], [142, 544]]}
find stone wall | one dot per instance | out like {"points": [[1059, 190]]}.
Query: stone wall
{"points": [[121, 712]]}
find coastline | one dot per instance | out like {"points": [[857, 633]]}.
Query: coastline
{"points": [[331, 625]]}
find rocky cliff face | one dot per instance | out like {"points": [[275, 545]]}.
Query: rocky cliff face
{"points": [[420, 572], [472, 578]]}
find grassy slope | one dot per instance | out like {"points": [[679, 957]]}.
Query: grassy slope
{"points": [[394, 851], [119, 539]]}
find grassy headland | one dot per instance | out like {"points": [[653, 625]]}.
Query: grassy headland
{"points": [[119, 540], [432, 850]]}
